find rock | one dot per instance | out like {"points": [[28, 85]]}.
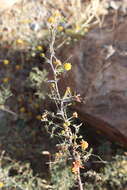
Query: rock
{"points": [[100, 75]]}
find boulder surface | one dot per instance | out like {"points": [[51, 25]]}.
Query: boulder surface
{"points": [[99, 75]]}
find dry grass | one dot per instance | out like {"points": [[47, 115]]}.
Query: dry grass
{"points": [[27, 20]]}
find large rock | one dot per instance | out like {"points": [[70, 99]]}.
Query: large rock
{"points": [[100, 76]]}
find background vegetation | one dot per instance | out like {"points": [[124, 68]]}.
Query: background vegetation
{"points": [[42, 147]]}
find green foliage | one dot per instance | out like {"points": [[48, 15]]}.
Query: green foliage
{"points": [[38, 79], [61, 176], [92, 180], [5, 93], [19, 176], [115, 173], [113, 176]]}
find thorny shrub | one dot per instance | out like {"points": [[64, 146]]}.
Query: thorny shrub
{"points": [[60, 124]]}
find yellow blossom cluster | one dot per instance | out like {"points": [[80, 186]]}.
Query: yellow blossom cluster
{"points": [[60, 28], [84, 145], [6, 61], [1, 184], [53, 19], [39, 48], [22, 110], [19, 41], [66, 124], [67, 66]]}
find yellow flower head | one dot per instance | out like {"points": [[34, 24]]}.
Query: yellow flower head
{"points": [[51, 20], [22, 110], [20, 41], [1, 184], [62, 132], [84, 145], [60, 28], [39, 48], [6, 62], [67, 66], [42, 55], [66, 124], [54, 18], [77, 28]]}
